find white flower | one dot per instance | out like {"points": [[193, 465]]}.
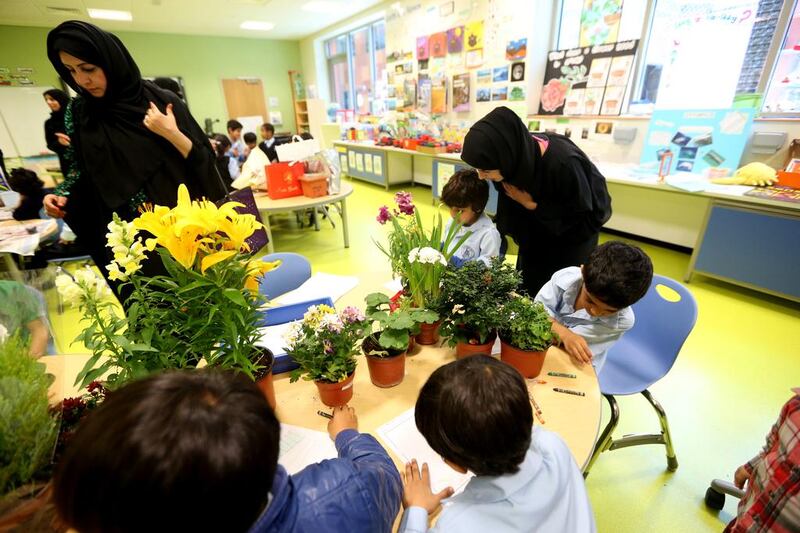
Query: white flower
{"points": [[458, 309], [70, 291], [292, 334], [413, 255], [426, 255], [3, 333], [332, 323]]}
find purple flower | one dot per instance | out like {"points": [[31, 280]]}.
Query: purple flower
{"points": [[352, 314], [404, 202], [383, 215], [327, 346]]}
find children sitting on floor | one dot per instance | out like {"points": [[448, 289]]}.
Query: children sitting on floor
{"points": [[590, 305], [476, 413], [466, 196], [198, 451]]}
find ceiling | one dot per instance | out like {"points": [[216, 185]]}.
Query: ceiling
{"points": [[199, 17]]}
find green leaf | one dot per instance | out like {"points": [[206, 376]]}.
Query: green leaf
{"points": [[402, 321], [394, 338], [377, 298], [235, 295]]}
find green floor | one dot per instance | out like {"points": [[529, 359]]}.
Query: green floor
{"points": [[723, 394]]}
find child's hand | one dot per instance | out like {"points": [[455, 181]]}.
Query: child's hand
{"points": [[344, 417], [740, 477], [576, 347], [417, 488]]}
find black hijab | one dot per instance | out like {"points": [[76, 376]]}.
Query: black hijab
{"points": [[61, 97], [120, 155]]}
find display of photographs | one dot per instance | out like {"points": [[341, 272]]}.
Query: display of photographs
{"points": [[680, 139], [585, 133], [517, 93], [437, 44], [620, 71], [455, 40], [534, 125], [598, 72], [500, 74], [612, 100], [685, 166], [461, 92], [688, 152], [518, 71], [517, 49], [483, 94], [422, 48], [604, 128], [483, 76], [499, 93], [592, 100], [713, 158], [574, 102], [703, 140]]}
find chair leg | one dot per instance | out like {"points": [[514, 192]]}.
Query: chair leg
{"points": [[605, 440], [672, 460]]}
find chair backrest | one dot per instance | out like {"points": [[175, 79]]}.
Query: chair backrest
{"points": [[647, 352], [293, 272]]}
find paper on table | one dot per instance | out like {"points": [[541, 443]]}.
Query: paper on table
{"points": [[272, 338], [300, 447], [394, 286], [320, 285], [402, 436]]}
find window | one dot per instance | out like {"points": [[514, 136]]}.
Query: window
{"points": [[356, 63], [783, 91]]}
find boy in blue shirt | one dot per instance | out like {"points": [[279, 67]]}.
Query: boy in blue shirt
{"points": [[198, 451], [590, 305], [237, 143], [476, 413], [466, 196]]}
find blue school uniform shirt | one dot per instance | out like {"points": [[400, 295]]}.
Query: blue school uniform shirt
{"points": [[483, 243], [547, 495], [601, 332]]}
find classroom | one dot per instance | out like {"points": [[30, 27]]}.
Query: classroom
{"points": [[400, 266]]}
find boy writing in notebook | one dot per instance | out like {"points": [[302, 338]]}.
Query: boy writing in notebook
{"points": [[198, 451], [590, 305], [466, 196], [476, 413]]}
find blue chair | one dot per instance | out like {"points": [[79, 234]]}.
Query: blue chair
{"points": [[293, 272], [643, 356]]}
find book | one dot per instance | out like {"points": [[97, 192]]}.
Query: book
{"points": [[776, 192]]}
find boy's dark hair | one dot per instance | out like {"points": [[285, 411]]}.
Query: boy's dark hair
{"points": [[475, 412], [234, 124], [618, 274], [250, 138], [269, 127], [25, 181], [466, 189], [179, 451], [223, 144]]}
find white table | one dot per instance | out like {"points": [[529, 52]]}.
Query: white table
{"points": [[267, 206], [22, 237]]}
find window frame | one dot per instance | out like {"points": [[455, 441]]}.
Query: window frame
{"points": [[370, 26]]}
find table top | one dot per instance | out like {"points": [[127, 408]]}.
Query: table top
{"points": [[16, 238], [369, 145], [265, 203]]}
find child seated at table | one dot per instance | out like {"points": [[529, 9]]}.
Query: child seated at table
{"points": [[590, 304], [466, 196], [476, 413], [198, 451]]}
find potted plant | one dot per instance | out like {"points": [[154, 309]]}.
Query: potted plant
{"points": [[324, 344], [386, 348], [525, 335], [472, 301], [416, 256], [206, 306]]}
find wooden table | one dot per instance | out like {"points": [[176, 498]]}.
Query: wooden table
{"points": [[267, 206]]}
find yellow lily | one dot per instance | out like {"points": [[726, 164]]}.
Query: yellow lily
{"points": [[214, 258], [238, 228], [255, 270]]}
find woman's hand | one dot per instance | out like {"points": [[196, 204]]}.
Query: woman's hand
{"points": [[160, 123], [63, 139], [520, 196], [54, 205]]}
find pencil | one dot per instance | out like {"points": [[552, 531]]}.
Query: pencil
{"points": [[324, 414]]}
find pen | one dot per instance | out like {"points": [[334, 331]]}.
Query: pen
{"points": [[324, 414], [568, 391], [562, 375]]}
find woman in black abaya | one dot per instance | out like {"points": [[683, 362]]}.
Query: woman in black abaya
{"points": [[54, 134], [552, 199], [130, 141]]}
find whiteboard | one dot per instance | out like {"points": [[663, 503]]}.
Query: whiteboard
{"points": [[22, 115]]}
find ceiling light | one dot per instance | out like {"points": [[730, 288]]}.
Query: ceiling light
{"points": [[256, 25], [109, 14], [322, 7]]}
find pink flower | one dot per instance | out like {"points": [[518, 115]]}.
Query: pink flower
{"points": [[384, 215], [554, 94], [327, 346], [352, 314], [404, 202]]}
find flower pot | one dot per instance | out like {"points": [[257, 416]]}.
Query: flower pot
{"points": [[264, 377], [412, 344], [384, 371], [336, 394], [464, 349], [528, 362], [429, 333]]}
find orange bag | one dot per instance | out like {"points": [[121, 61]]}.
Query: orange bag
{"points": [[283, 180]]}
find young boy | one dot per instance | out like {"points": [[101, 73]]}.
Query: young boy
{"points": [[235, 136], [590, 305], [267, 144], [198, 451], [466, 196], [250, 142], [476, 413]]}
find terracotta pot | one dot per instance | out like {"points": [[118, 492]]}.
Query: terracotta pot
{"points": [[264, 377], [528, 362], [336, 394], [384, 371], [412, 344], [429, 333], [464, 349]]}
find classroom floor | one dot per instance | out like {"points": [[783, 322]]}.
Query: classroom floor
{"points": [[722, 396]]}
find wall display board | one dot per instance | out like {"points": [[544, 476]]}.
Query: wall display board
{"points": [[588, 80], [698, 139]]}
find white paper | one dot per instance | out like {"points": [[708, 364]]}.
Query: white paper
{"points": [[319, 285], [402, 436], [394, 286], [272, 338], [300, 447]]}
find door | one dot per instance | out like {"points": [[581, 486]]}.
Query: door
{"points": [[245, 98]]}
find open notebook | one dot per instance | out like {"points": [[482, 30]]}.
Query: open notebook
{"points": [[300, 447]]}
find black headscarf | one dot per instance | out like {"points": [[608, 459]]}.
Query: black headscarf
{"points": [[121, 156], [59, 96]]}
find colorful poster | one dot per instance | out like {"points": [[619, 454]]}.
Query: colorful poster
{"points": [[612, 101], [461, 92], [437, 44], [499, 93], [516, 50], [422, 48], [455, 40], [474, 58], [439, 97], [518, 71], [409, 93], [586, 68], [473, 33], [600, 22], [483, 76], [500, 74], [574, 103], [483, 94], [517, 93], [424, 95], [699, 140]]}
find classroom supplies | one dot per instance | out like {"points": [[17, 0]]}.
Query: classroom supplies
{"points": [[562, 375], [323, 414], [568, 391]]}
